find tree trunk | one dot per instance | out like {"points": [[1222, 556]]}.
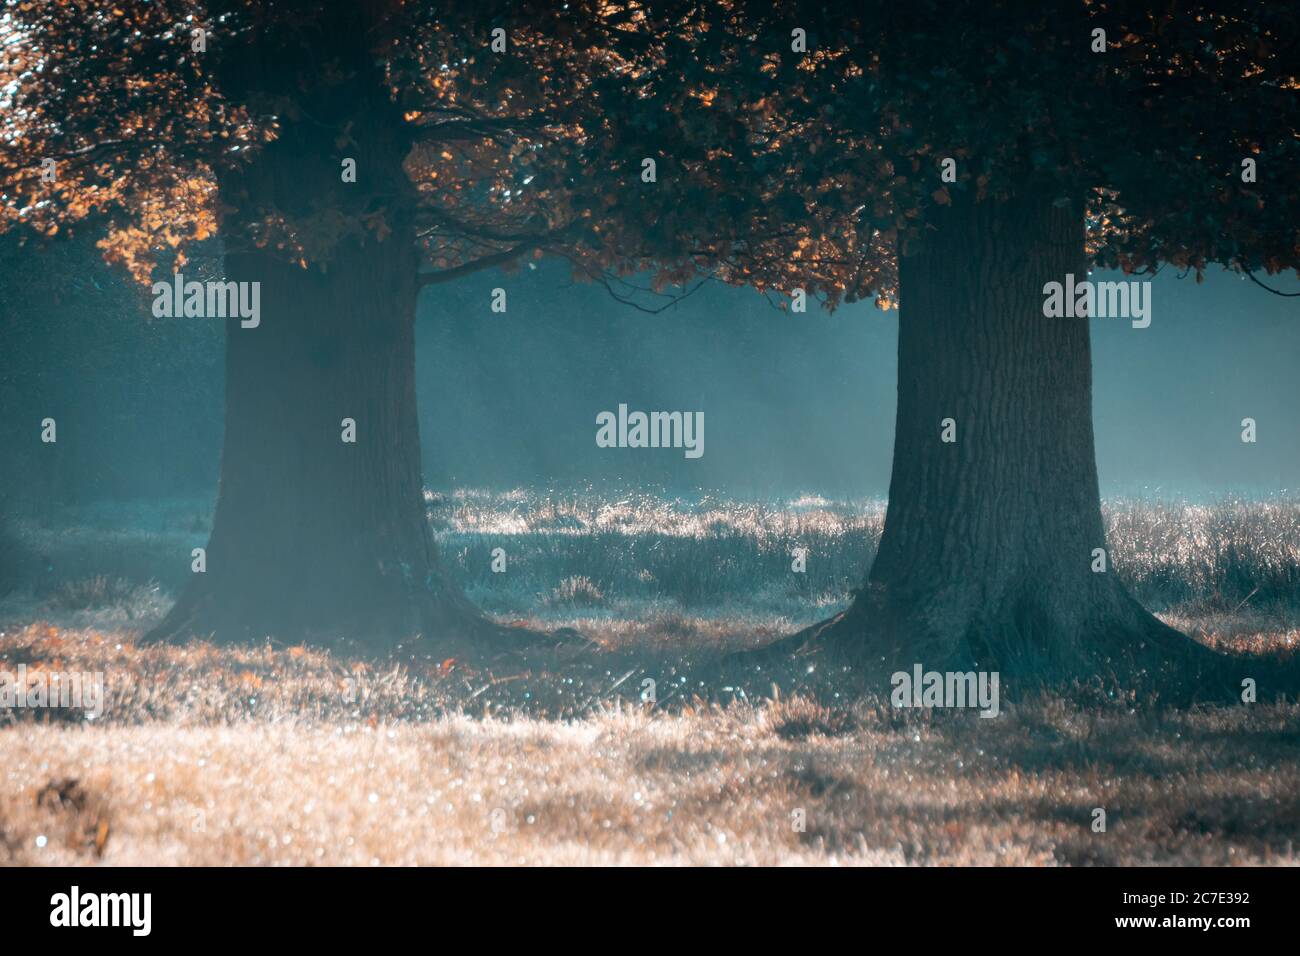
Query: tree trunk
{"points": [[987, 555], [316, 538]]}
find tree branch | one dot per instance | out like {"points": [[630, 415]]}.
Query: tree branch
{"points": [[486, 262], [1285, 295]]}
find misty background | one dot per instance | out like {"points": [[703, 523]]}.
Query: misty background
{"points": [[794, 403]]}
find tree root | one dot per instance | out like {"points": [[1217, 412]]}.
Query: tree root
{"points": [[1125, 655]]}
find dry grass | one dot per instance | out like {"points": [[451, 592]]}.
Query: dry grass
{"points": [[290, 756], [287, 755]]}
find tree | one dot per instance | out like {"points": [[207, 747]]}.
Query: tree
{"points": [[788, 146], [346, 155], [957, 165]]}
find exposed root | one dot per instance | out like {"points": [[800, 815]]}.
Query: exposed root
{"points": [[1125, 655]]}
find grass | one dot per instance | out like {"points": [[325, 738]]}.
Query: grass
{"points": [[273, 754]]}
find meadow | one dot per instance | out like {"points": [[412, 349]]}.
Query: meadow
{"points": [[285, 754]]}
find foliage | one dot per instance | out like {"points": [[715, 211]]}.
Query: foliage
{"points": [[778, 168]]}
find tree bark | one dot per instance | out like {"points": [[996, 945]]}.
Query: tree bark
{"points": [[987, 554], [315, 538]]}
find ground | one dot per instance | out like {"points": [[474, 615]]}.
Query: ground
{"points": [[274, 754]]}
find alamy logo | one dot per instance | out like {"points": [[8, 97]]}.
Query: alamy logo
{"points": [[922, 688], [103, 909], [1099, 300], [208, 300], [651, 430], [48, 689]]}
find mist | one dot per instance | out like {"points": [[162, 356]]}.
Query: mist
{"points": [[442, 433], [795, 404]]}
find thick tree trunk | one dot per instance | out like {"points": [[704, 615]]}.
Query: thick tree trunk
{"points": [[316, 538], [987, 554]]}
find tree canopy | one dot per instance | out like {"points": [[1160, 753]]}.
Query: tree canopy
{"points": [[1149, 114], [798, 144]]}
